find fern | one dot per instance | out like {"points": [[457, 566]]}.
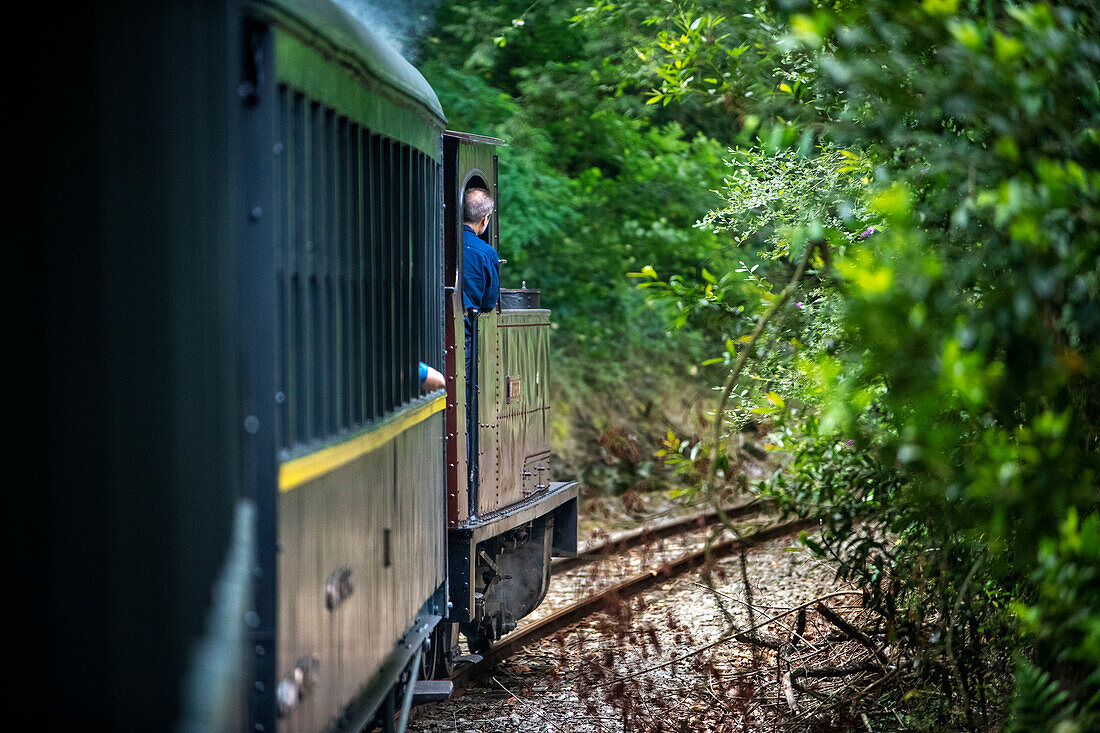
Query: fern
{"points": [[1039, 704]]}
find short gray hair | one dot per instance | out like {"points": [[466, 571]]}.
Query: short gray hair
{"points": [[476, 205]]}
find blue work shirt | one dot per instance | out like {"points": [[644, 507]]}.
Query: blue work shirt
{"points": [[480, 281]]}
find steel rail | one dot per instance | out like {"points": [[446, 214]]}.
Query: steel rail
{"points": [[617, 543], [633, 585]]}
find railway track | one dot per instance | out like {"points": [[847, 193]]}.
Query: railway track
{"points": [[653, 531], [633, 584]]}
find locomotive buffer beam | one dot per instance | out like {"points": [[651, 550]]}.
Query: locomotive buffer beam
{"points": [[557, 504]]}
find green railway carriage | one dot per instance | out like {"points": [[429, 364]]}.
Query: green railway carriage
{"points": [[259, 521], [361, 567]]}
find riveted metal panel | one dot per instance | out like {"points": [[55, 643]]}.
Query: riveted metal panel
{"points": [[514, 407], [489, 480]]}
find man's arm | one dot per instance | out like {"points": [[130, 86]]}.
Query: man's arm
{"points": [[430, 379]]}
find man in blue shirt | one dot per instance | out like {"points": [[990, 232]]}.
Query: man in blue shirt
{"points": [[480, 292], [480, 281]]}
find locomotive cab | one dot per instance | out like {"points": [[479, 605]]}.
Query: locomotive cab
{"points": [[506, 518]]}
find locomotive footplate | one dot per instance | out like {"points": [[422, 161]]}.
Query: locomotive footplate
{"points": [[499, 565]]}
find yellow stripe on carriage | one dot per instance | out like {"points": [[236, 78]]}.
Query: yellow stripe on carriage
{"points": [[298, 471]]}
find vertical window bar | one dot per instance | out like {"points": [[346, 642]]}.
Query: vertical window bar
{"points": [[355, 272], [370, 274], [435, 275], [393, 225], [416, 267], [314, 245], [303, 268], [407, 225], [296, 153], [382, 277], [385, 371], [419, 262], [336, 276], [420, 244], [327, 248], [416, 221], [404, 224], [370, 175], [429, 265], [282, 255], [370, 212], [347, 242], [299, 387]]}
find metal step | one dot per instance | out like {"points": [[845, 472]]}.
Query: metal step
{"points": [[432, 691]]}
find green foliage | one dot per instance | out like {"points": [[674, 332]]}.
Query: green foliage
{"points": [[593, 184], [792, 195], [934, 381], [1064, 619], [944, 391], [1039, 704]]}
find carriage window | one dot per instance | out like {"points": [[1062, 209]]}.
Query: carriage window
{"points": [[357, 247]]}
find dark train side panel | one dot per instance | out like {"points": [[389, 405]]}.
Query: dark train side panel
{"points": [[125, 184]]}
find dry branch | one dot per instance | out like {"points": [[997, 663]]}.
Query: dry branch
{"points": [[838, 621], [831, 671]]}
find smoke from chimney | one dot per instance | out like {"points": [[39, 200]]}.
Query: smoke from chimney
{"points": [[402, 24]]}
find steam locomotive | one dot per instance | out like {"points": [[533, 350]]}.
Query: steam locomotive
{"points": [[251, 235]]}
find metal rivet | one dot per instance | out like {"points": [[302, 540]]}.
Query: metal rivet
{"points": [[260, 687], [252, 619], [280, 397], [252, 424], [260, 651], [278, 149]]}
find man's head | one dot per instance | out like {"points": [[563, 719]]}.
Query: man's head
{"points": [[477, 207]]}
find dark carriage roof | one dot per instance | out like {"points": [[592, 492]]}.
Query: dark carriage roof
{"points": [[347, 35]]}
